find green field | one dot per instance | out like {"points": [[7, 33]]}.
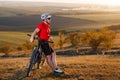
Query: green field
{"points": [[13, 38], [16, 38]]}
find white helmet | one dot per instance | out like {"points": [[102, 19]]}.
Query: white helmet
{"points": [[45, 16]]}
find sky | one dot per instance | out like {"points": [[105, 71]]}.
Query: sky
{"points": [[101, 2]]}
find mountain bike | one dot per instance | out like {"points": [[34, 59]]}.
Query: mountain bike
{"points": [[37, 57]]}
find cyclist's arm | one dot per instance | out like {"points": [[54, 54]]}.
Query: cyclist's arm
{"points": [[33, 34], [51, 38]]}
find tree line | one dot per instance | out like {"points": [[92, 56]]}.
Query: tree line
{"points": [[96, 39]]}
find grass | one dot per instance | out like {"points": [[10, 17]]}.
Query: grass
{"points": [[16, 38], [13, 38], [94, 67]]}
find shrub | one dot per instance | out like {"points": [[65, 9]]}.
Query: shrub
{"points": [[74, 38], [103, 37], [6, 49], [93, 38], [108, 37], [61, 39], [28, 45], [21, 48]]}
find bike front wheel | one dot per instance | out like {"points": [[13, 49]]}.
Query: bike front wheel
{"points": [[32, 60], [41, 60], [29, 69]]}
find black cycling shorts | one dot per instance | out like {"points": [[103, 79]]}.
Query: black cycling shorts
{"points": [[46, 48]]}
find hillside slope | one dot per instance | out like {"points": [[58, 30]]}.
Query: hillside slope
{"points": [[76, 68], [28, 23]]}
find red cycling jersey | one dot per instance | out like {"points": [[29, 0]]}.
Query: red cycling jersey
{"points": [[44, 32]]}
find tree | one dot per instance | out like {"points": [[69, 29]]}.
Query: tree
{"points": [[93, 38], [61, 39], [108, 37], [74, 39]]}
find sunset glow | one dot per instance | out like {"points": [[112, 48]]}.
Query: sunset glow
{"points": [[101, 2]]}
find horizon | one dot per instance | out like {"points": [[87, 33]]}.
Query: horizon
{"points": [[111, 3]]}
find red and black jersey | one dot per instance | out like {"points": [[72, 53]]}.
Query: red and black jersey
{"points": [[44, 32]]}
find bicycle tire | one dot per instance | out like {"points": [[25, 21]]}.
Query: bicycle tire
{"points": [[41, 60], [29, 69], [32, 60]]}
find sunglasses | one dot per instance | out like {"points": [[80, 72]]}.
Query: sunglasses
{"points": [[49, 18]]}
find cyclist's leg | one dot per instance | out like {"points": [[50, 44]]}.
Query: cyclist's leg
{"points": [[50, 57], [53, 58], [47, 51], [49, 62]]}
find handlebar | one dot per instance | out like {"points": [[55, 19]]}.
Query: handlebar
{"points": [[40, 39], [30, 36]]}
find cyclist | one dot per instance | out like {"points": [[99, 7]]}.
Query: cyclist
{"points": [[43, 32]]}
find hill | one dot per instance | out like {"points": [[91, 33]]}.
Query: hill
{"points": [[28, 23], [24, 16], [76, 68], [13, 38], [114, 27]]}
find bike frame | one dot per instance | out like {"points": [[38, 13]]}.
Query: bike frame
{"points": [[37, 55]]}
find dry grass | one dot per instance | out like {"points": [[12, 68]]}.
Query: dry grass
{"points": [[92, 67], [117, 40], [13, 38], [16, 38]]}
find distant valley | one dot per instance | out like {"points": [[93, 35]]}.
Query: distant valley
{"points": [[24, 16]]}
